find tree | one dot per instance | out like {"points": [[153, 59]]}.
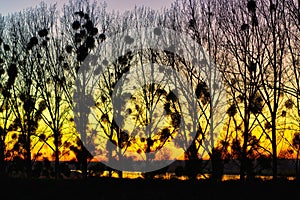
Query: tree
{"points": [[291, 87], [199, 21], [24, 97], [135, 123], [239, 27], [8, 77], [274, 73], [54, 81], [80, 21], [296, 145]]}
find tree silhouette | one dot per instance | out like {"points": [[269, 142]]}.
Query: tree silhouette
{"points": [[273, 75], [199, 20], [291, 88], [296, 145], [140, 127], [24, 97], [59, 83], [80, 21], [54, 80], [8, 77], [257, 68]]}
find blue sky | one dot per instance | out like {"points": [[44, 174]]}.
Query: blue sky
{"points": [[9, 6]]}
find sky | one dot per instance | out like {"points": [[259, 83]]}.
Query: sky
{"points": [[10, 6]]}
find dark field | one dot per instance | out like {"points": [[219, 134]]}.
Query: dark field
{"points": [[121, 189]]}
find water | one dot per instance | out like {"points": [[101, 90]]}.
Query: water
{"points": [[169, 176]]}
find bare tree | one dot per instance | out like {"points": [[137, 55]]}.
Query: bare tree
{"points": [[239, 26], [272, 16], [292, 87], [25, 96], [8, 77], [54, 81], [80, 20], [134, 124], [199, 21]]}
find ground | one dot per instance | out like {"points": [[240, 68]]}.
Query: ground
{"points": [[122, 189]]}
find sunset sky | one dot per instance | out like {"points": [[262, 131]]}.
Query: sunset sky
{"points": [[8, 6]]}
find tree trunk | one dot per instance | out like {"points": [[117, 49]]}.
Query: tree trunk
{"points": [[56, 165], [297, 164], [245, 145], [274, 147], [2, 159], [28, 157], [84, 165]]}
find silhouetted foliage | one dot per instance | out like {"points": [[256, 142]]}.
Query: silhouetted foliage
{"points": [[202, 92], [232, 110], [43, 32], [251, 5]]}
